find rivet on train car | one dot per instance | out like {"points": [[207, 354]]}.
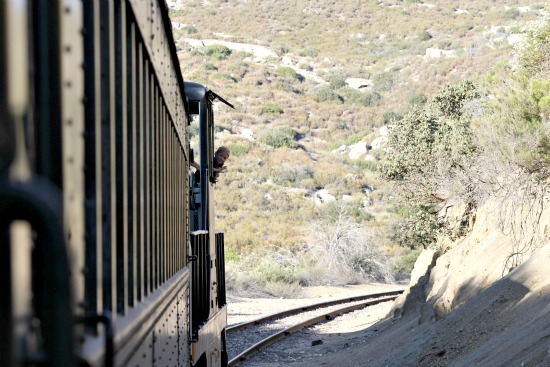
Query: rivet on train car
{"points": [[68, 48], [67, 10]]}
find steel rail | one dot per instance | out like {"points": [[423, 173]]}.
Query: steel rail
{"points": [[329, 315], [242, 325]]}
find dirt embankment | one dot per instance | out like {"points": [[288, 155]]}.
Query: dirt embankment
{"points": [[483, 300]]}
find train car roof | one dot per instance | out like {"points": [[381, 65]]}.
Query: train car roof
{"points": [[196, 92]]}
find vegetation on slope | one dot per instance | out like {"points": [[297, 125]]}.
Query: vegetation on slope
{"points": [[468, 143], [341, 71]]}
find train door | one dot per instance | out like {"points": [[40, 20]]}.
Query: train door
{"points": [[200, 110], [208, 306], [200, 100]]}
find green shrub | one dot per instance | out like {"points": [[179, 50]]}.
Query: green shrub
{"points": [[367, 99], [327, 94], [289, 175], [273, 274], [283, 48], [450, 100], [278, 137], [417, 100], [519, 120], [176, 12], [511, 13], [425, 36], [405, 264], [420, 228], [190, 29], [239, 68], [432, 144], [445, 44], [392, 116], [533, 55], [288, 87], [384, 82], [240, 149], [350, 140], [353, 97], [522, 113], [271, 109], [225, 76], [286, 72], [336, 81], [218, 52], [231, 254], [359, 214], [335, 145], [364, 166], [540, 93], [326, 178], [311, 52]]}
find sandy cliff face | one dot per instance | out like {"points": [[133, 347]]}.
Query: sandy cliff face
{"points": [[484, 300], [502, 240]]}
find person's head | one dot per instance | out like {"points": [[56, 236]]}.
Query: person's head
{"points": [[221, 155]]}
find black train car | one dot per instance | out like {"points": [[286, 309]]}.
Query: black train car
{"points": [[98, 264]]}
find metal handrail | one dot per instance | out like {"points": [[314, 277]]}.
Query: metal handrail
{"points": [[38, 202]]}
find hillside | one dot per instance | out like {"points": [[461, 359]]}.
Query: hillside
{"points": [[471, 304], [315, 87], [358, 142]]}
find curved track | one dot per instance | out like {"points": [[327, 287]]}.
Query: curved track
{"points": [[261, 332]]}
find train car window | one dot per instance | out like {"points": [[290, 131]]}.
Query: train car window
{"points": [[193, 107]]}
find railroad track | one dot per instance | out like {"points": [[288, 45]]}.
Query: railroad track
{"points": [[246, 338]]}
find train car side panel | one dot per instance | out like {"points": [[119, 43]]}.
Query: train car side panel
{"points": [[151, 19], [136, 155], [94, 192], [72, 83], [156, 333]]}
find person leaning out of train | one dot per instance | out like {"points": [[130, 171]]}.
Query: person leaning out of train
{"points": [[221, 155]]}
